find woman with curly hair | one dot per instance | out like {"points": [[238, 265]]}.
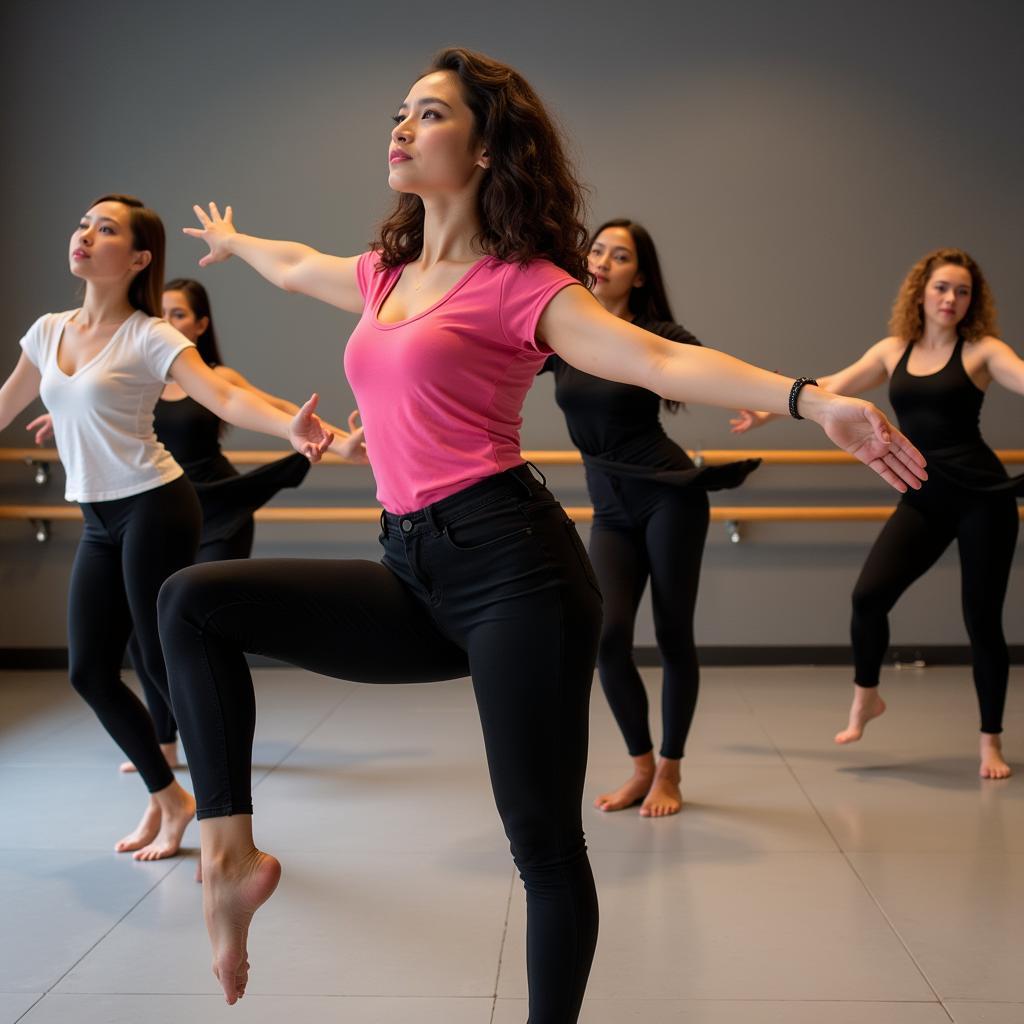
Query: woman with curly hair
{"points": [[940, 358], [475, 279]]}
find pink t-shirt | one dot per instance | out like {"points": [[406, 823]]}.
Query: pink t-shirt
{"points": [[440, 393]]}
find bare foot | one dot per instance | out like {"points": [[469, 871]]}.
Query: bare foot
{"points": [[177, 809], [866, 705], [170, 752], [232, 892], [145, 833], [665, 796], [992, 764], [634, 789], [628, 794]]}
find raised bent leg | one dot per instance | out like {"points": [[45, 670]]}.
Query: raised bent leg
{"points": [[351, 620], [909, 544]]}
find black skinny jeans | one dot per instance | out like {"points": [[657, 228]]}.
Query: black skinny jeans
{"points": [[924, 524], [492, 582], [648, 530], [128, 548], [238, 545]]}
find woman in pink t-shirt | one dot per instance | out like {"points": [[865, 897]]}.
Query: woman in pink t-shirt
{"points": [[476, 278]]}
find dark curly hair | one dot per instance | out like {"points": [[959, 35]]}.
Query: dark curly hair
{"points": [[530, 203], [907, 320]]}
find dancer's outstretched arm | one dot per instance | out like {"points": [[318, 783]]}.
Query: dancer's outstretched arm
{"points": [[290, 265], [866, 373], [1005, 366], [584, 334], [304, 431], [20, 388]]}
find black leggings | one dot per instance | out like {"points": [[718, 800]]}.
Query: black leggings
{"points": [[644, 529], [924, 524], [238, 545], [492, 582], [129, 547]]}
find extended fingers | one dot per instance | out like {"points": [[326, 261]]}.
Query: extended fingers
{"points": [[908, 454], [201, 214], [885, 471]]}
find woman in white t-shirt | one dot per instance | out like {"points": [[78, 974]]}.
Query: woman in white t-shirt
{"points": [[100, 370]]}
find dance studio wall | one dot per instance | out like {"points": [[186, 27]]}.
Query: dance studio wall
{"points": [[791, 159]]}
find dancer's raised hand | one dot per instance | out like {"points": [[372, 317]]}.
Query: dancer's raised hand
{"points": [[307, 433], [215, 231]]}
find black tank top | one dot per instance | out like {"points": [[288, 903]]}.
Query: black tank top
{"points": [[938, 410], [191, 433]]}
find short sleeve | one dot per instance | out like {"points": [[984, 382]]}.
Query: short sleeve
{"points": [[33, 344], [525, 294], [365, 269], [161, 345]]}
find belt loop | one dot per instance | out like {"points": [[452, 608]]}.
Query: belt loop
{"points": [[383, 524], [543, 478], [431, 520]]}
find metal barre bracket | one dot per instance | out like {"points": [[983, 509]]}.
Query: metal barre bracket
{"points": [[42, 529], [732, 531], [41, 471]]}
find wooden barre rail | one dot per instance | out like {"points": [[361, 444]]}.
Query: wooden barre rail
{"points": [[581, 514], [40, 516], [710, 456]]}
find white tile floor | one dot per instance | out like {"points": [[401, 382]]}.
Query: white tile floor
{"points": [[876, 884]]}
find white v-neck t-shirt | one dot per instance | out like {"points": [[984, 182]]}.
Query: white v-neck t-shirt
{"points": [[103, 412]]}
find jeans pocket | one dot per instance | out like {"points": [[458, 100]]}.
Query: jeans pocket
{"points": [[495, 524]]}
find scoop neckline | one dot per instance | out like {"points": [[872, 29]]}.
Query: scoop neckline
{"points": [[942, 369], [462, 281]]}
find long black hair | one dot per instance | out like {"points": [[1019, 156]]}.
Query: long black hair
{"points": [[199, 303], [147, 236], [648, 301]]}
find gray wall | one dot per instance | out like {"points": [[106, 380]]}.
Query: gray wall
{"points": [[792, 160]]}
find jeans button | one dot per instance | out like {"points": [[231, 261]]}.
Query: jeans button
{"points": [[406, 526]]}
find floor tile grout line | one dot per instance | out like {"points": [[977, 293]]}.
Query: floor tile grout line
{"points": [[160, 881], [29, 1009], [132, 908], [501, 946], [846, 857]]}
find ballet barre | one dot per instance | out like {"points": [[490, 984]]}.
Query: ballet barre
{"points": [[39, 459], [41, 516]]}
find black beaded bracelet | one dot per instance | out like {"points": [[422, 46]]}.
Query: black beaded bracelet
{"points": [[794, 394]]}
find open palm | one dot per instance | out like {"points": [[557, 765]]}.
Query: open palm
{"points": [[862, 430]]}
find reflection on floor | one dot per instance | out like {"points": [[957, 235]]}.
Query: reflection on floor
{"points": [[881, 883]]}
